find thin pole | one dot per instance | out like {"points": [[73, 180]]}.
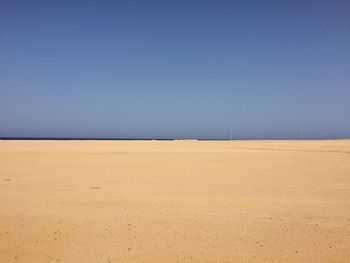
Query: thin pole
{"points": [[301, 131]]}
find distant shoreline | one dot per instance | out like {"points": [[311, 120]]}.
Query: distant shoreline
{"points": [[154, 139]]}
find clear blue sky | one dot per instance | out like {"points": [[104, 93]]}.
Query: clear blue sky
{"points": [[175, 69]]}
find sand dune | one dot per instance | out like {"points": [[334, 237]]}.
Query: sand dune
{"points": [[175, 201]]}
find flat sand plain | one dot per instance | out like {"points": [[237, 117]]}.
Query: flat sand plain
{"points": [[175, 201]]}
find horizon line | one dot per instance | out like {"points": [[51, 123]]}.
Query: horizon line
{"points": [[155, 139]]}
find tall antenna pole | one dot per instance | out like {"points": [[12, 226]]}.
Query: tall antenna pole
{"points": [[301, 131]]}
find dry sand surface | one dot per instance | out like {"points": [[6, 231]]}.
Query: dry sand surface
{"points": [[175, 201]]}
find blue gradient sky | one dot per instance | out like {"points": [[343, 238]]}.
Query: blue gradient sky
{"points": [[175, 69]]}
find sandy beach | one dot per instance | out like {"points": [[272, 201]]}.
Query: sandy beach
{"points": [[175, 201]]}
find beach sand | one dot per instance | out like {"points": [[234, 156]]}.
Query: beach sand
{"points": [[175, 201]]}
